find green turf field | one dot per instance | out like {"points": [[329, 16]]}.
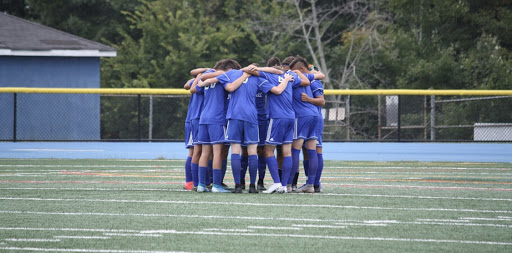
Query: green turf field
{"points": [[138, 206]]}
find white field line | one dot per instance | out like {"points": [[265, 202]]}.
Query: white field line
{"points": [[316, 226], [273, 228], [488, 219], [129, 234], [297, 236], [221, 229], [31, 240], [417, 186], [443, 220], [259, 204], [72, 229], [462, 173], [414, 168], [80, 237], [323, 194], [87, 250], [337, 222]]}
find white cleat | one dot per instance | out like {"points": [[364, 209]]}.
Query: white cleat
{"points": [[274, 188]]}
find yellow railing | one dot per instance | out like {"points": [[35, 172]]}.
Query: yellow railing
{"points": [[174, 91]]}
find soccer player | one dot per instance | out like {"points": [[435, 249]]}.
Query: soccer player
{"points": [[212, 126], [309, 109], [189, 143], [281, 114]]}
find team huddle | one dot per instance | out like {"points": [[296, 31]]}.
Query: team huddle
{"points": [[256, 111]]}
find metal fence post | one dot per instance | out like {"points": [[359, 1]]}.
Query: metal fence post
{"points": [[150, 131], [432, 117], [399, 123], [15, 116], [139, 130]]}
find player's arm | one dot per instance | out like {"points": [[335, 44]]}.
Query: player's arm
{"points": [[212, 75], [251, 69], [193, 87], [271, 70], [318, 101], [318, 75], [207, 81], [230, 87], [187, 84], [282, 86], [198, 71], [304, 79]]}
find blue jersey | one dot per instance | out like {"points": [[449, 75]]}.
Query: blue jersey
{"points": [[214, 111], [189, 104], [195, 106], [318, 90], [261, 98], [242, 102], [279, 106], [303, 109]]}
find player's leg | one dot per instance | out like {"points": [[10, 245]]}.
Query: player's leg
{"points": [[217, 169], [313, 166], [253, 166], [188, 170], [274, 137], [244, 164], [262, 163], [203, 166]]}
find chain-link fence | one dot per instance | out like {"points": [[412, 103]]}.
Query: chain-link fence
{"points": [[109, 117]]}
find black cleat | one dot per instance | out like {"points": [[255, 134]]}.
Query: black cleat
{"points": [[252, 189], [238, 189], [261, 186]]}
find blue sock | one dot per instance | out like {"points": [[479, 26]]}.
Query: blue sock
{"points": [[253, 168], [201, 175], [224, 168], [287, 168], [188, 171], [194, 167], [272, 168], [235, 167], [313, 165], [319, 169], [217, 177], [243, 169], [262, 167], [295, 164], [305, 163], [209, 173]]}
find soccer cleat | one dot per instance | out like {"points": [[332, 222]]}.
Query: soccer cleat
{"points": [[219, 189], [188, 186], [252, 189], [302, 186], [242, 182], [308, 188], [202, 188], [238, 189], [294, 188], [210, 186], [289, 188], [194, 189], [318, 188], [277, 187], [261, 185]]}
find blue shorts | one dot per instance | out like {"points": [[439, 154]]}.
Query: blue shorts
{"points": [[194, 124], [188, 136], [280, 131], [305, 128], [211, 134], [319, 131], [239, 131], [262, 127]]}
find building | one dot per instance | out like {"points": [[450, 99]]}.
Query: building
{"points": [[33, 55]]}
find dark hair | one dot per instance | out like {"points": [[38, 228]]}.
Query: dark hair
{"points": [[274, 61], [288, 60], [299, 60], [255, 64], [230, 64], [219, 64]]}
